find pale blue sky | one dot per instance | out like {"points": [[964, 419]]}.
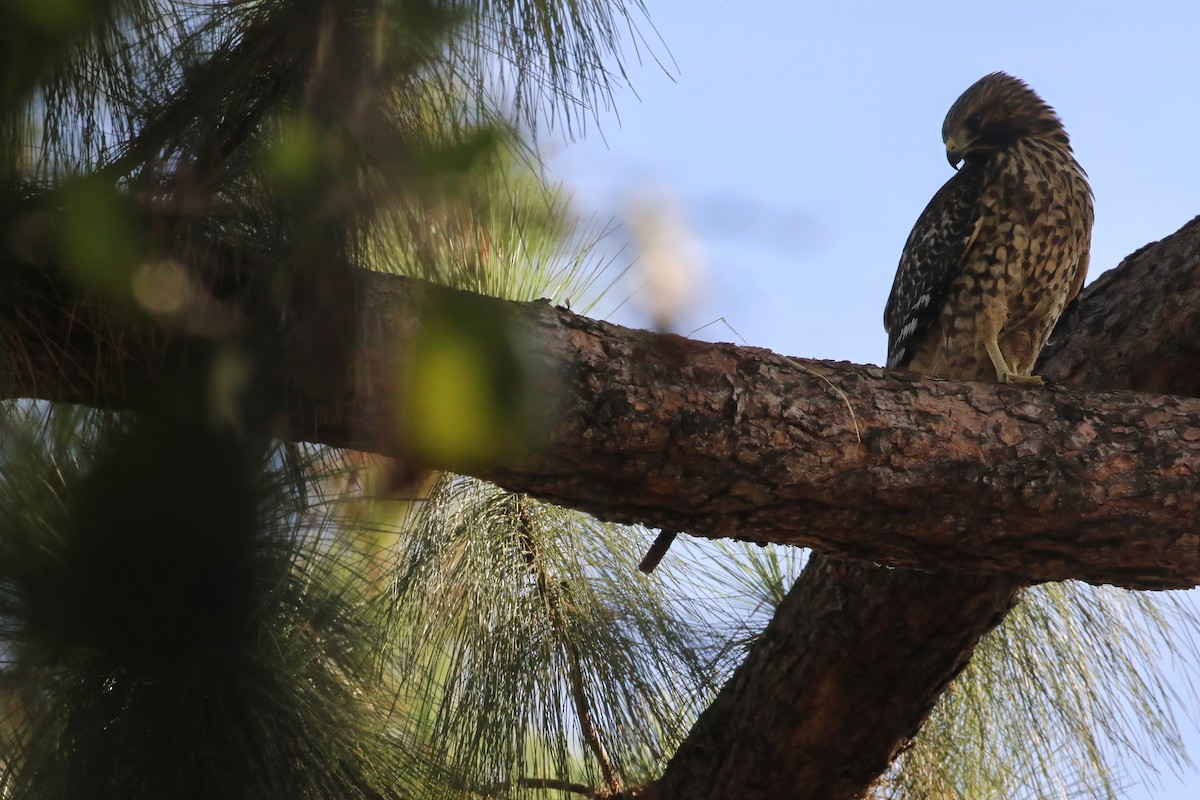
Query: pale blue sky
{"points": [[801, 140]]}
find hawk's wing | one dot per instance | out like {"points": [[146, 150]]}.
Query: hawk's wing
{"points": [[932, 256]]}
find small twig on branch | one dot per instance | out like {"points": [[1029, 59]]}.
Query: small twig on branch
{"points": [[657, 550]]}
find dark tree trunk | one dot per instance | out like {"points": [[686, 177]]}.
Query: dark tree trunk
{"points": [[844, 674]]}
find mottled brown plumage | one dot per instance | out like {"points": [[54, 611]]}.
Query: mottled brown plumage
{"points": [[1000, 250]]}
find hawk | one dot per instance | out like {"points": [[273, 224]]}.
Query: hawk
{"points": [[1000, 250]]}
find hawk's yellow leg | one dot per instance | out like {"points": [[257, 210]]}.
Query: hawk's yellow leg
{"points": [[989, 328]]}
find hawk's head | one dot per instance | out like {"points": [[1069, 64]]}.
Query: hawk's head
{"points": [[997, 111]]}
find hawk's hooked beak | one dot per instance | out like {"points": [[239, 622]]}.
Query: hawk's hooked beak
{"points": [[953, 153]]}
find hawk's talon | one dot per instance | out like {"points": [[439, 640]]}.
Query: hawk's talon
{"points": [[1022, 380]]}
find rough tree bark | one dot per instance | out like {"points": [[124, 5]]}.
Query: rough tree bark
{"points": [[622, 438], [725, 441]]}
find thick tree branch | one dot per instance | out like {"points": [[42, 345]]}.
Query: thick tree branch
{"points": [[719, 440]]}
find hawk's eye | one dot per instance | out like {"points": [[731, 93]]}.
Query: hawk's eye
{"points": [[973, 122]]}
